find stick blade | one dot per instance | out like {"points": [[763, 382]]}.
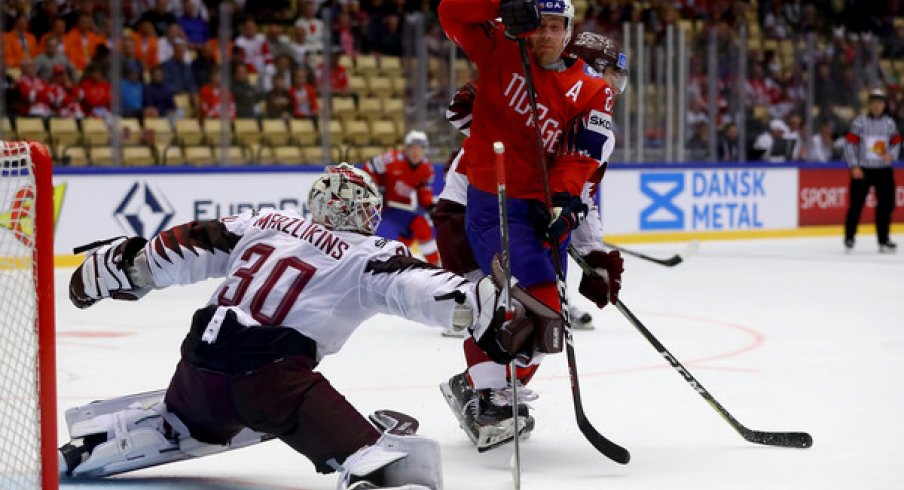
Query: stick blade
{"points": [[609, 449], [800, 440]]}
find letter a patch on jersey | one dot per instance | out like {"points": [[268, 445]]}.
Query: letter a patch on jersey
{"points": [[575, 91]]}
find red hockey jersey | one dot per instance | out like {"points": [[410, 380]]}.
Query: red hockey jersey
{"points": [[574, 109], [405, 185]]}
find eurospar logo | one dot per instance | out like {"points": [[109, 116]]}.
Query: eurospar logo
{"points": [[19, 217], [143, 211], [703, 200]]}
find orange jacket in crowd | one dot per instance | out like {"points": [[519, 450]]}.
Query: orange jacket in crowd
{"points": [[80, 48], [145, 49], [14, 52]]}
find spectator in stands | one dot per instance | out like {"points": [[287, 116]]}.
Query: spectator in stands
{"points": [[65, 96], [145, 39], [42, 18], [894, 47], [128, 61], [390, 42], [158, 100], [304, 97], [131, 93], [775, 26], [81, 42], [698, 144], [97, 93], [281, 69], [166, 45], [32, 90], [275, 41], [257, 53], [101, 61], [203, 64], [18, 43], [297, 45], [195, 27], [160, 16], [343, 36], [312, 26], [211, 96], [279, 102], [338, 74], [795, 136], [178, 75], [824, 146], [771, 146], [728, 147], [51, 58], [57, 30], [245, 94]]}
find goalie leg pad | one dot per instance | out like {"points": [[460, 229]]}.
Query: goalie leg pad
{"points": [[395, 461]]}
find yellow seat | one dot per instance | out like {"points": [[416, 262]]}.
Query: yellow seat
{"points": [[303, 133], [367, 152], [199, 155], [130, 129], [188, 132], [102, 156], [247, 133], [183, 102], [379, 86], [158, 130], [357, 133], [398, 85], [6, 129], [95, 132], [31, 128], [75, 156], [171, 155], [383, 133], [313, 155], [370, 108], [274, 132], [366, 65], [138, 156], [345, 61], [63, 132], [390, 66], [357, 84], [288, 155], [394, 110], [343, 108], [213, 131], [236, 155], [337, 135]]}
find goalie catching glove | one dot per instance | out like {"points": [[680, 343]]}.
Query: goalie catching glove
{"points": [[110, 271], [603, 288]]}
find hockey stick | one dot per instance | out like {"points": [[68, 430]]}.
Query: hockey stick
{"points": [[610, 449], [499, 151], [783, 439], [669, 262]]}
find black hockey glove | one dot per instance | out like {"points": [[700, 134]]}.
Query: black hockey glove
{"points": [[103, 273], [604, 289], [567, 213], [520, 17]]}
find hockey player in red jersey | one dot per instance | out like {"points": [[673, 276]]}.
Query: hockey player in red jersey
{"points": [[295, 289], [406, 180], [574, 107]]}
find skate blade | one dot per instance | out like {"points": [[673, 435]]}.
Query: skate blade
{"points": [[453, 333], [493, 436], [457, 410]]}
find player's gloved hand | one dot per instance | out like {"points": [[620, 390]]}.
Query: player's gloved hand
{"points": [[103, 273], [520, 17], [610, 266], [500, 334], [567, 213]]}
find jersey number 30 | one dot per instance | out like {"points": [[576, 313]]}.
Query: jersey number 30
{"points": [[236, 286]]}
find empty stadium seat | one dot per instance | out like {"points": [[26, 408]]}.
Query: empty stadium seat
{"points": [[199, 155], [75, 156], [137, 156], [370, 108], [63, 132], [247, 132], [102, 156], [31, 128], [6, 129], [390, 66], [95, 132], [130, 129], [303, 132], [336, 133], [288, 155], [274, 132], [183, 102], [357, 133], [213, 131], [383, 133], [343, 108], [188, 132], [235, 155], [357, 84], [398, 85], [313, 155], [366, 65], [379, 86]]}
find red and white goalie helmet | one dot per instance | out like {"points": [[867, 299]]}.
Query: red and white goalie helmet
{"points": [[346, 198]]}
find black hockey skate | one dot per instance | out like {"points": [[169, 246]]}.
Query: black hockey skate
{"points": [[888, 247], [485, 418]]}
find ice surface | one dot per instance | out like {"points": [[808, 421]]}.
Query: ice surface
{"points": [[788, 334]]}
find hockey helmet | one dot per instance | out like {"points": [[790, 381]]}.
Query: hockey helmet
{"points": [[602, 53], [346, 198], [560, 8], [415, 137]]}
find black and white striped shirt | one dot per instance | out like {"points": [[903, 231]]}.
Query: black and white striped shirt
{"points": [[869, 139]]}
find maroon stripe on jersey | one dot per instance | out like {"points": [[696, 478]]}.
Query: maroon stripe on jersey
{"points": [[208, 236]]}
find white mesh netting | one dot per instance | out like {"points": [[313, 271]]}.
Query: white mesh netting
{"points": [[19, 407]]}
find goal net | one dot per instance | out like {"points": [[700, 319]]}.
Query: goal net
{"points": [[27, 368]]}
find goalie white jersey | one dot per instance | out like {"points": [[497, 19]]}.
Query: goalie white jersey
{"points": [[282, 269]]}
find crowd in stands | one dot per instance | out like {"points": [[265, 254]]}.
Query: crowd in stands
{"points": [[62, 50]]}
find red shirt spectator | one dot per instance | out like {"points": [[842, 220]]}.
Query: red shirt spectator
{"points": [[19, 44], [210, 98], [338, 76], [97, 95], [81, 41], [33, 91], [257, 52], [64, 95]]}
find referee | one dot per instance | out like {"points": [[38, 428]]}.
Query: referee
{"points": [[872, 144]]}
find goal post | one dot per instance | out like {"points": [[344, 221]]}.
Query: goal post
{"points": [[28, 415]]}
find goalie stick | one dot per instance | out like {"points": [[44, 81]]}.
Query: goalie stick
{"points": [[783, 439], [669, 262], [609, 449]]}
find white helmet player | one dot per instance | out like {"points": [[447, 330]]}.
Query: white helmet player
{"points": [[415, 137], [560, 8], [346, 198]]}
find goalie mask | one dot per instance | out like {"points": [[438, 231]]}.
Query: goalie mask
{"points": [[604, 55], [346, 198]]}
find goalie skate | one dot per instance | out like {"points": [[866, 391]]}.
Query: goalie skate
{"points": [[488, 425]]}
